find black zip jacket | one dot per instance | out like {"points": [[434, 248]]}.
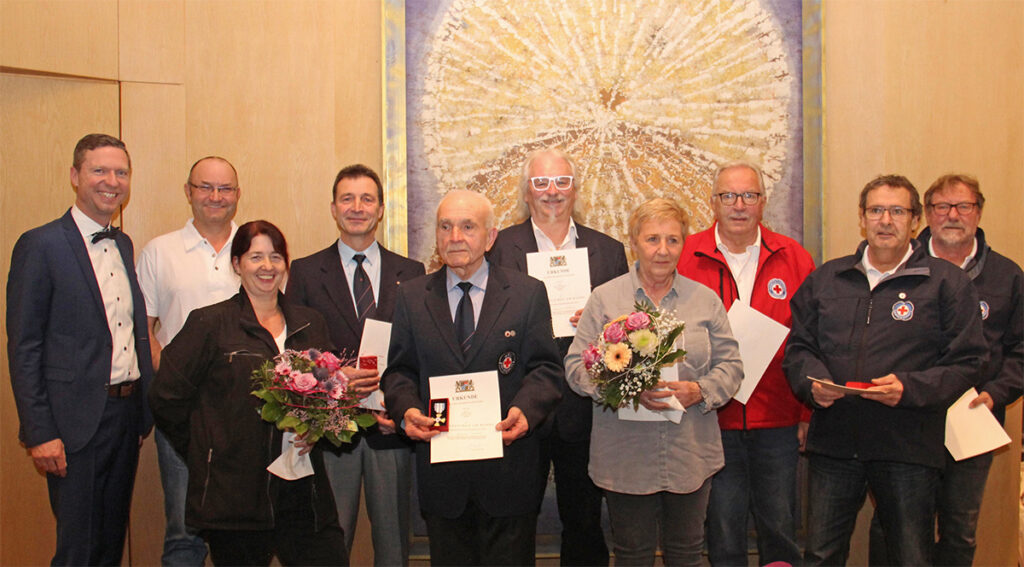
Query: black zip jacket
{"points": [[1000, 286], [201, 400], [921, 323]]}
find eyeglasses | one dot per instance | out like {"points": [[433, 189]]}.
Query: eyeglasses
{"points": [[876, 213], [962, 208], [749, 197], [562, 182], [205, 189]]}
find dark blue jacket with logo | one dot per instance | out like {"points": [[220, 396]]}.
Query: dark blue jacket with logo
{"points": [[921, 323], [1000, 286]]}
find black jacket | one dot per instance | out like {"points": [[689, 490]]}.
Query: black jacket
{"points": [[201, 400], [1000, 286], [922, 323]]}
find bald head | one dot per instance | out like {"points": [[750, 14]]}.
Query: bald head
{"points": [[465, 231]]}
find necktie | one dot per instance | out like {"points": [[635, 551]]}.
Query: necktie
{"points": [[107, 232], [464, 317], [362, 290]]}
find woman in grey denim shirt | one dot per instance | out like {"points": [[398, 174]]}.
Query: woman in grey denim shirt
{"points": [[657, 474]]}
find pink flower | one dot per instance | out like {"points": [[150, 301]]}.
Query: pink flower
{"points": [[329, 361], [336, 391], [305, 382], [591, 356], [614, 333], [638, 320], [283, 368]]}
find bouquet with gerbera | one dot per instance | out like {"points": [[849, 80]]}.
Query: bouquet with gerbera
{"points": [[307, 392], [629, 354]]}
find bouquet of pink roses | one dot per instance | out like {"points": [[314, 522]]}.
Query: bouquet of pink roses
{"points": [[629, 354], [306, 392]]}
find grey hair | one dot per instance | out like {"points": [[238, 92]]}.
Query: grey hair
{"points": [[522, 209], [746, 164]]}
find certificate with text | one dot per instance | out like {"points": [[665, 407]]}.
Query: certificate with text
{"points": [[474, 409], [374, 344], [566, 274]]}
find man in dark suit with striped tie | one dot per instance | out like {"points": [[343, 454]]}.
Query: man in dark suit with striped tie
{"points": [[348, 282]]}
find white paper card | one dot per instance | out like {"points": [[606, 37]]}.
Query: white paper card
{"points": [[290, 465], [759, 337], [566, 275], [375, 342], [474, 409], [972, 431], [669, 373]]}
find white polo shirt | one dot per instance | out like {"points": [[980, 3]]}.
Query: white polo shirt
{"points": [[180, 271]]}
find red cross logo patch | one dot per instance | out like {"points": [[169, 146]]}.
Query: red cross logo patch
{"points": [[903, 311], [777, 288], [506, 362]]}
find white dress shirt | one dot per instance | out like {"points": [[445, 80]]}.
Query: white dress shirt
{"points": [[116, 291], [743, 265], [545, 244]]}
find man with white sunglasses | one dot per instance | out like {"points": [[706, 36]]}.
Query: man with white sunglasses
{"points": [[548, 188]]}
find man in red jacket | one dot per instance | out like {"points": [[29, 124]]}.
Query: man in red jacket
{"points": [[741, 260]]}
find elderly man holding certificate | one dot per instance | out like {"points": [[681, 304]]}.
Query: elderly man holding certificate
{"points": [[467, 340]]}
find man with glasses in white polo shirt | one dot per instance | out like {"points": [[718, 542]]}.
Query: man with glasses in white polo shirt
{"points": [[178, 272], [903, 332]]}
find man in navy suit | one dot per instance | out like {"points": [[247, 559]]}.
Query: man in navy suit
{"points": [[328, 281], [474, 316], [548, 189], [80, 359]]}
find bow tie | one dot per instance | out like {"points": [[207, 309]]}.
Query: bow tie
{"points": [[108, 232]]}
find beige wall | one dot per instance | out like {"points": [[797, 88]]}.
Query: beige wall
{"points": [[290, 91]]}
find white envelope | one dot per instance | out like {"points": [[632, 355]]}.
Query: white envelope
{"points": [[972, 431]]}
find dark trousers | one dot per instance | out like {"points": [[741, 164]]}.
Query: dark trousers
{"points": [[91, 504], [294, 539], [905, 496], [958, 509], [642, 522], [760, 477], [477, 538], [579, 500]]}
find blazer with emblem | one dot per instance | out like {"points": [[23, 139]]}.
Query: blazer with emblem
{"points": [[607, 260], [515, 320], [318, 281], [58, 340]]}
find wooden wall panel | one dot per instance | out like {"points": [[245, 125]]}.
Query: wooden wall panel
{"points": [[260, 88], [59, 36], [151, 40], [153, 127], [41, 120], [921, 88]]}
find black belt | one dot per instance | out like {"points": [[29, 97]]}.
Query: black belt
{"points": [[122, 390]]}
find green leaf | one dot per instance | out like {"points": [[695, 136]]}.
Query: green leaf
{"points": [[365, 420], [289, 422], [271, 412], [264, 395]]}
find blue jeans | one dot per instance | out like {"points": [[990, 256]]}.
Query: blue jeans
{"points": [[760, 477], [958, 506], [182, 546], [637, 521], [905, 496]]}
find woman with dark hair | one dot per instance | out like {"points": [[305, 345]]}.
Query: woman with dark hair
{"points": [[202, 401]]}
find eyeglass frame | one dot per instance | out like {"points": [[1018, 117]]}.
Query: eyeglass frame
{"points": [[209, 189], [896, 212], [950, 206], [551, 179], [729, 197]]}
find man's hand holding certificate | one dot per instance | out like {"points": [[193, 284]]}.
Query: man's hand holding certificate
{"points": [[473, 418]]}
